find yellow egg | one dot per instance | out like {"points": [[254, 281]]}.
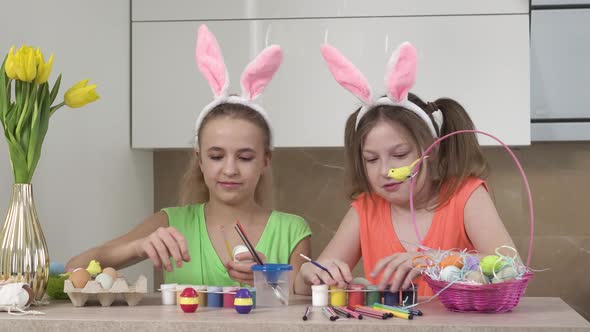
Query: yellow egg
{"points": [[79, 278], [112, 272]]}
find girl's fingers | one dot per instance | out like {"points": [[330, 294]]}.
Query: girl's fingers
{"points": [[171, 245], [335, 272], [381, 264], [401, 274], [181, 241], [344, 272], [242, 267], [325, 277], [315, 280], [162, 252], [388, 271], [152, 254], [413, 274]]}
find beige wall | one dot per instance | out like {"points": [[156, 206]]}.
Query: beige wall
{"points": [[558, 175]]}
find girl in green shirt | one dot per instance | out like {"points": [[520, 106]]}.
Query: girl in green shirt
{"points": [[226, 182]]}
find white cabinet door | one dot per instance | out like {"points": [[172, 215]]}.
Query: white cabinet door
{"points": [[482, 61], [158, 10], [560, 74]]}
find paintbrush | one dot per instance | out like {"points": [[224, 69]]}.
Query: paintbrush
{"points": [[318, 265], [276, 288]]}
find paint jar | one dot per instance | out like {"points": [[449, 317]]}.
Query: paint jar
{"points": [[373, 295], [337, 296], [356, 295], [214, 296], [391, 298], [272, 283], [168, 294], [202, 290], [409, 296], [229, 295], [319, 295]]}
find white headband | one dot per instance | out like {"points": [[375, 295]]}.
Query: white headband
{"points": [[410, 106], [255, 77]]}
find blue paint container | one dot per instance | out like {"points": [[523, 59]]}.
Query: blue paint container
{"points": [[390, 298], [214, 297]]}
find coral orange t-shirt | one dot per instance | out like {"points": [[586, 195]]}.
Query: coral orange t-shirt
{"points": [[379, 240]]}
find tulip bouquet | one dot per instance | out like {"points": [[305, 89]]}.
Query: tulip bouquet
{"points": [[27, 104]]}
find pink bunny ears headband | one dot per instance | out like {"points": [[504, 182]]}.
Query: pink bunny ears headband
{"points": [[400, 77], [255, 77]]}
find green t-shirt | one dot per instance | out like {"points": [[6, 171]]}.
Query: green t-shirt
{"points": [[281, 234]]}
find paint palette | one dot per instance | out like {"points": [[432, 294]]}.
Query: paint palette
{"points": [[130, 294]]}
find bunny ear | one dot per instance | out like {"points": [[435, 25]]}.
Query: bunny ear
{"points": [[210, 61], [400, 75], [346, 74], [260, 71]]}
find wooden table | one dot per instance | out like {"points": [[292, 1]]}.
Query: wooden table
{"points": [[532, 314]]}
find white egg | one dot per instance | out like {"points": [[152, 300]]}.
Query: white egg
{"points": [[507, 273], [450, 273], [105, 280], [238, 250], [477, 277]]}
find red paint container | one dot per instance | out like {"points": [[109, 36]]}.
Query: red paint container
{"points": [[356, 295], [229, 295]]}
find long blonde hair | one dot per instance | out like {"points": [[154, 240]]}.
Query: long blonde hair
{"points": [[193, 189], [456, 158]]}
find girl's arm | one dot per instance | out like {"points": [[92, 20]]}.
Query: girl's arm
{"points": [[152, 238], [342, 253], [483, 224], [303, 247]]}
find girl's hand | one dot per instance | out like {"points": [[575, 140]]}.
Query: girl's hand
{"points": [[397, 270], [241, 269], [163, 243], [339, 271]]}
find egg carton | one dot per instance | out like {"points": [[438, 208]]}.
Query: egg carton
{"points": [[120, 290]]}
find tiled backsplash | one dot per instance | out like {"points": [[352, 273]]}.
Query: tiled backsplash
{"points": [[310, 182]]}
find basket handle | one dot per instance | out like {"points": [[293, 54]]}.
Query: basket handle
{"points": [[524, 178]]}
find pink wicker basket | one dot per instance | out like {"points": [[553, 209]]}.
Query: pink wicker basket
{"points": [[491, 298], [500, 297]]}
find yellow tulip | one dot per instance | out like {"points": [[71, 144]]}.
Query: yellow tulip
{"points": [[26, 64], [10, 65], [44, 69], [80, 94]]}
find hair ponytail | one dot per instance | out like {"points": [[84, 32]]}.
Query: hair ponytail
{"points": [[459, 156]]}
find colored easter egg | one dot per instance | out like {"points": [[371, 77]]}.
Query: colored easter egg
{"points": [[56, 268], [189, 300], [471, 263], [243, 301], [450, 273], [489, 264], [452, 260]]}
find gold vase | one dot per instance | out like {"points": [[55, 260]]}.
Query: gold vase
{"points": [[23, 249]]}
